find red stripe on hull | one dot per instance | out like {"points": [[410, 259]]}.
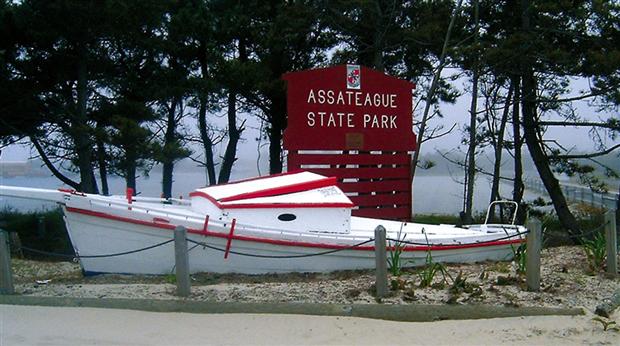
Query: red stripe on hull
{"points": [[407, 248]]}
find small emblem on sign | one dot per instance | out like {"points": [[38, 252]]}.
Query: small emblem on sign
{"points": [[353, 77], [354, 141]]}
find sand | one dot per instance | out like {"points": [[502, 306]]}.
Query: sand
{"points": [[27, 325], [566, 282]]}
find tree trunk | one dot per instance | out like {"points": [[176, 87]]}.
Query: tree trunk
{"points": [[130, 179], [499, 148], [541, 161], [207, 142], [275, 148], [517, 187], [75, 185], [278, 124], [103, 172], [80, 131], [471, 151], [130, 168], [534, 144], [433, 89], [169, 143], [234, 134]]}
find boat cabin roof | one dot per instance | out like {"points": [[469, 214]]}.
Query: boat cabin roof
{"points": [[297, 189]]}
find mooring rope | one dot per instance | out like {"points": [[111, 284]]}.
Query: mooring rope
{"points": [[283, 256], [55, 254]]}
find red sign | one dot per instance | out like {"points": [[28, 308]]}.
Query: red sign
{"points": [[348, 107]]}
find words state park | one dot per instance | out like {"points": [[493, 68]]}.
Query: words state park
{"points": [[339, 119], [350, 119]]}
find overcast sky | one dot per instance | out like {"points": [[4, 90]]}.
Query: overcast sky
{"points": [[457, 113]]}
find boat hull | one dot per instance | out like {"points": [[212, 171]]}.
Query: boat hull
{"points": [[103, 234], [272, 234]]}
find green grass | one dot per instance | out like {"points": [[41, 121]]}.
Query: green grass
{"points": [[596, 252]]}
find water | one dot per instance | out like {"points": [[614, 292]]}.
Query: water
{"points": [[431, 194], [440, 194]]}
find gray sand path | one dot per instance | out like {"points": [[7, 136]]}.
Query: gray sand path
{"points": [[30, 325]]}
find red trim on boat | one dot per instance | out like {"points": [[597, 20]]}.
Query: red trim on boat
{"points": [[206, 224], [71, 191], [160, 219], [230, 238], [205, 195], [284, 242], [269, 205], [287, 205], [282, 190]]}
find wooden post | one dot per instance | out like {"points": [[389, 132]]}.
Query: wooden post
{"points": [[610, 243], [181, 258], [534, 246], [6, 275], [381, 262], [618, 218]]}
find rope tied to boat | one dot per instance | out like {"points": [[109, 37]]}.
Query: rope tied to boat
{"points": [[76, 256], [282, 256]]}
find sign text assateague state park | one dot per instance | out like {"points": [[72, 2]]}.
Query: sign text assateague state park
{"points": [[351, 99], [348, 107]]}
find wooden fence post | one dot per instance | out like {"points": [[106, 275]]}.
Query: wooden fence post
{"points": [[534, 246], [610, 243], [618, 217], [380, 262], [181, 258], [6, 275]]}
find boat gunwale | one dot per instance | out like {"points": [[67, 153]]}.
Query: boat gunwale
{"points": [[207, 233]]}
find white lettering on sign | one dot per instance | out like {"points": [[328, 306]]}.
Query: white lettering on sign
{"points": [[351, 98], [374, 121], [324, 119]]}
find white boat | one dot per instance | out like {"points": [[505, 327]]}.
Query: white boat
{"points": [[292, 222]]}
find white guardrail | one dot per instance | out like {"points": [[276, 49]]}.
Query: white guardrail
{"points": [[577, 193]]}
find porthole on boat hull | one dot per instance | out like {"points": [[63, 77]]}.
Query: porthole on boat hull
{"points": [[287, 217]]}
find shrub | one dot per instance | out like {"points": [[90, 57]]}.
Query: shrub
{"points": [[42, 230], [596, 252], [395, 261]]}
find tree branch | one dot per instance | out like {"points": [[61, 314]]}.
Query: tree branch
{"points": [[434, 136], [478, 170], [591, 155], [51, 166], [608, 125], [570, 99]]}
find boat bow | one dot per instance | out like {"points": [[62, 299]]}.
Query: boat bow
{"points": [[57, 196]]}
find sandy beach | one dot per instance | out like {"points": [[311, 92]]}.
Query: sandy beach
{"points": [[566, 283], [27, 325]]}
